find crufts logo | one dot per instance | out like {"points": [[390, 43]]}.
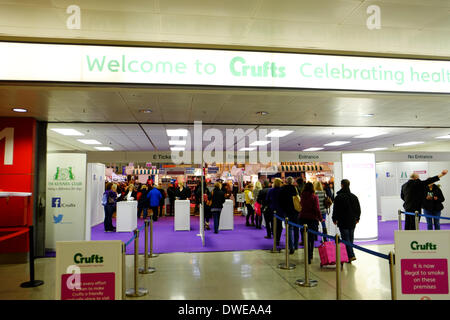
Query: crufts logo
{"points": [[56, 202], [64, 174]]}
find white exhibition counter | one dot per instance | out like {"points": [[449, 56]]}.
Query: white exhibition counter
{"points": [[390, 206], [226, 216], [126, 216], [182, 219]]}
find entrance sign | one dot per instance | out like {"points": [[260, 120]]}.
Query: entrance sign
{"points": [[89, 270], [108, 64], [66, 198], [422, 264]]}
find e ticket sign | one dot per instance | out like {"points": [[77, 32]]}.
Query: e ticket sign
{"points": [[88, 270], [421, 263]]}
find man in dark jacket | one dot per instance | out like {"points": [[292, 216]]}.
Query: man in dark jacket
{"points": [[413, 193], [218, 199], [287, 192], [171, 194], [346, 214], [265, 209]]}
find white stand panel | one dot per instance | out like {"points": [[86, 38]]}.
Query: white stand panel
{"points": [[226, 221], [126, 216], [390, 206], [182, 219]]}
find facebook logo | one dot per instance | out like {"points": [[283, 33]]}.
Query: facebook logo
{"points": [[56, 202]]}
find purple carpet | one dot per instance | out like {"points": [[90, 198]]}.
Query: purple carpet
{"points": [[166, 240], [241, 238]]}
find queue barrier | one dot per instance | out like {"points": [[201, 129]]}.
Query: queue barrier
{"points": [[18, 231], [417, 216], [309, 283], [136, 291]]}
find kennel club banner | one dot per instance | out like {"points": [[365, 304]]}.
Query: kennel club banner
{"points": [[108, 64]]}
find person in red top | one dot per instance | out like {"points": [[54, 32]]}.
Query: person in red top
{"points": [[310, 215]]}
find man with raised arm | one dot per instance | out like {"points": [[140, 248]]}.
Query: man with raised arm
{"points": [[413, 193]]}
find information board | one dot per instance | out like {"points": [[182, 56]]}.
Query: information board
{"points": [[89, 270], [421, 264]]}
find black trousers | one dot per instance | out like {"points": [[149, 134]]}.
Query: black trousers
{"points": [[268, 217], [155, 213], [107, 223], [250, 213], [313, 225], [172, 207], [279, 229], [410, 221]]}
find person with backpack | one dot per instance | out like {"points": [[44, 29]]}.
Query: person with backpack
{"points": [[109, 205]]}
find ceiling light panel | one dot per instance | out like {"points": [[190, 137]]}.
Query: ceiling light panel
{"points": [[336, 143], [67, 132], [259, 143], [279, 133], [410, 143], [89, 141], [177, 132]]}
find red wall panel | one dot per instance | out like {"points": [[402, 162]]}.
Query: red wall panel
{"points": [[18, 176]]}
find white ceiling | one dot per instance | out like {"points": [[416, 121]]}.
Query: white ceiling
{"points": [[414, 27]]}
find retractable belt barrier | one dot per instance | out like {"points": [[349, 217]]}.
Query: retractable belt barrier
{"points": [[307, 283], [18, 232], [136, 291], [417, 216], [425, 215]]}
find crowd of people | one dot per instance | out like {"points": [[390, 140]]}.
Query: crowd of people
{"points": [[150, 198], [301, 203]]}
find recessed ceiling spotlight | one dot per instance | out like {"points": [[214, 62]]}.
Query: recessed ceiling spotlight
{"points": [[19, 110], [145, 111], [262, 113], [368, 115]]}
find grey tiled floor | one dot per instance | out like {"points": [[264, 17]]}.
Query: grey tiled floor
{"points": [[226, 276]]}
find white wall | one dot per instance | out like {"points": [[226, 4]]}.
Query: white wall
{"points": [[95, 187], [399, 173]]}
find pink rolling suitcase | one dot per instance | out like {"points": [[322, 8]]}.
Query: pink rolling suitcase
{"points": [[327, 253]]}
